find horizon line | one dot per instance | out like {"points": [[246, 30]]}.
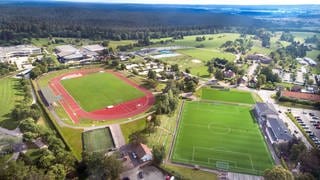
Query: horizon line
{"points": [[150, 3]]}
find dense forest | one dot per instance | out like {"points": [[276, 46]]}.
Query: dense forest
{"points": [[22, 21]]}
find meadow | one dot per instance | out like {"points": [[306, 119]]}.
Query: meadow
{"points": [[231, 95], [99, 90], [221, 136], [10, 95], [98, 140]]}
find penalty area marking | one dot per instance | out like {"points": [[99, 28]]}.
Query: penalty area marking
{"points": [[194, 149]]}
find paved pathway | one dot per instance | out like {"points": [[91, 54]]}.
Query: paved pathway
{"points": [[14, 157], [238, 176], [15, 132], [117, 135]]}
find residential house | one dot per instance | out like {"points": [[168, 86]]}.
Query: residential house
{"points": [[229, 74], [260, 58], [143, 152]]}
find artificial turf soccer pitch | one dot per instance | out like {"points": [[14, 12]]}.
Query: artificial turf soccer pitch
{"points": [[221, 136], [99, 90], [98, 140], [231, 95]]}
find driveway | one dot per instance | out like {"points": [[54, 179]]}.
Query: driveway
{"points": [[149, 173]]}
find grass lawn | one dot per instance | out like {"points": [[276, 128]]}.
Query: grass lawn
{"points": [[215, 43], [188, 173], [10, 95], [300, 36], [114, 44], [206, 54], [313, 54], [97, 140], [231, 95], [128, 128], [221, 136], [98, 90], [184, 61]]}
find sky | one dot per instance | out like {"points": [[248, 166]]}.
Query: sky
{"points": [[224, 2]]}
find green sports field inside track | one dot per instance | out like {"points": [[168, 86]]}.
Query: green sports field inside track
{"points": [[99, 90], [98, 140], [220, 136], [231, 95]]}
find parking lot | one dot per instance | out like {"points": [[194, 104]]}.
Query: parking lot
{"points": [[310, 121], [145, 173]]}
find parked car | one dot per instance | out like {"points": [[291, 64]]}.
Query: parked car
{"points": [[317, 127], [311, 114], [134, 155], [315, 117], [140, 174]]}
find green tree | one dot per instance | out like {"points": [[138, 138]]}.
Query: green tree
{"points": [[310, 81], [13, 170], [100, 166], [218, 75], [158, 154], [175, 68], [57, 171], [152, 74], [210, 69], [105, 43], [277, 173], [137, 138], [35, 72]]}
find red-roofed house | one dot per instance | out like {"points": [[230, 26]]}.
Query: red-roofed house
{"points": [[143, 152], [301, 96]]}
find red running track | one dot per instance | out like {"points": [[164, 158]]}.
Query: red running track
{"points": [[119, 111]]}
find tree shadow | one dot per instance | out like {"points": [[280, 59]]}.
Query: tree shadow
{"points": [[9, 123], [204, 76]]}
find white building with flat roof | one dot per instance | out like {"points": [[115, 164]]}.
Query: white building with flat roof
{"points": [[7, 53], [310, 61], [94, 48], [71, 54]]}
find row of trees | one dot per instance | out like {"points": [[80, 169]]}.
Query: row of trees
{"points": [[6, 68], [115, 22], [287, 36], [23, 109], [295, 152], [264, 36], [55, 162]]}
